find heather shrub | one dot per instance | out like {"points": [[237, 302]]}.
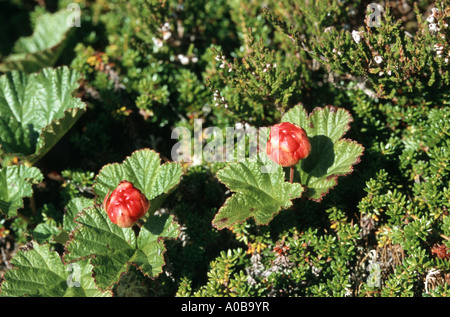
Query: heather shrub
{"points": [[91, 93]]}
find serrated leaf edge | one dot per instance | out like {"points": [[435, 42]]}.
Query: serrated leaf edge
{"points": [[48, 49], [22, 199], [239, 222], [347, 128], [62, 262], [335, 177], [127, 157], [41, 135], [128, 263]]}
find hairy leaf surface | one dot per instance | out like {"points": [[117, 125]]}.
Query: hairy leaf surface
{"points": [[331, 155], [16, 183], [39, 272], [37, 110], [260, 191], [43, 47]]}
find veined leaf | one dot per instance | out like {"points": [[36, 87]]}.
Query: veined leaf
{"points": [[39, 272], [50, 232], [41, 49], [150, 246], [37, 110], [143, 168], [258, 193], [114, 249], [15, 184], [331, 155]]}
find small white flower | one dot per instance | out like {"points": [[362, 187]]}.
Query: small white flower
{"points": [[222, 65], [432, 27], [446, 60], [430, 19], [380, 74], [378, 59], [183, 59], [217, 58], [166, 35], [158, 42], [194, 59], [389, 72], [230, 69], [439, 48], [356, 36]]}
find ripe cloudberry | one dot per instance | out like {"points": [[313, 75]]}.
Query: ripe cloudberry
{"points": [[126, 205], [288, 144]]}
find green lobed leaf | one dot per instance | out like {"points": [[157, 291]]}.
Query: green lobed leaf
{"points": [[143, 168], [73, 208], [41, 49], [15, 184], [39, 272], [258, 193], [114, 249], [331, 155], [49, 231], [45, 232], [150, 246], [37, 110]]}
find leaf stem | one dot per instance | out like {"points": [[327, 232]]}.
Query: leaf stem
{"points": [[33, 205], [291, 176]]}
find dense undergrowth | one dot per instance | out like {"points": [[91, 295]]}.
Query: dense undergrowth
{"points": [[144, 68]]}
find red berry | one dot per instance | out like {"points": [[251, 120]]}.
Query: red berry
{"points": [[126, 205], [288, 144]]}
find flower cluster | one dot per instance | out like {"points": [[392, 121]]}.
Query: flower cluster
{"points": [[224, 63], [435, 25], [219, 99], [166, 34]]}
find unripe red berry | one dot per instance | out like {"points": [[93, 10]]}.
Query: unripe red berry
{"points": [[288, 144], [126, 205]]}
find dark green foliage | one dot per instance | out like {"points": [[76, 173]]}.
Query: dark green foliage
{"points": [[149, 66]]}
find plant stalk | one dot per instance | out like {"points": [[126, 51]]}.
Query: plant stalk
{"points": [[33, 205], [291, 177]]}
